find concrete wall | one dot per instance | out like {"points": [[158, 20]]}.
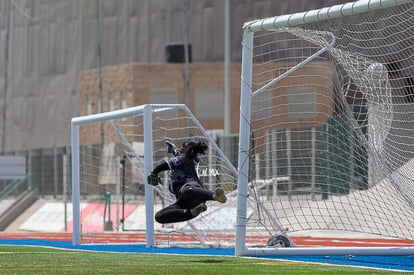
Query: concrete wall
{"points": [[52, 41]]}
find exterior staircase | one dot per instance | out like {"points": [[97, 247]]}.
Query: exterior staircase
{"points": [[11, 209]]}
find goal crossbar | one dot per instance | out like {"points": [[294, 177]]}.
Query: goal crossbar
{"points": [[337, 11]]}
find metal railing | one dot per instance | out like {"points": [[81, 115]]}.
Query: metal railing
{"points": [[10, 188]]}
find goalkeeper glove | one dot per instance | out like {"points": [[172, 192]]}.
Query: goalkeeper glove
{"points": [[171, 148], [153, 179]]}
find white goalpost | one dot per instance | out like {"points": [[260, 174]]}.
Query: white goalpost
{"points": [[327, 105], [112, 154]]}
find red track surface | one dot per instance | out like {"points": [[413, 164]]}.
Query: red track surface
{"points": [[174, 237]]}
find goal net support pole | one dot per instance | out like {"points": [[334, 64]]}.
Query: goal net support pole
{"points": [[248, 92], [148, 165], [149, 197], [244, 142]]}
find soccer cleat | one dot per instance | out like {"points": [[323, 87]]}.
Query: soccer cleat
{"points": [[219, 195], [198, 209]]}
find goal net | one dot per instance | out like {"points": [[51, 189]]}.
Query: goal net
{"points": [[114, 152], [326, 127]]}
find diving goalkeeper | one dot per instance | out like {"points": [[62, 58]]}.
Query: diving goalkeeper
{"points": [[187, 187]]}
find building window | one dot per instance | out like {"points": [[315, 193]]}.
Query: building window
{"points": [[89, 105], [209, 104], [164, 96], [302, 103], [262, 104], [124, 98], [111, 101]]}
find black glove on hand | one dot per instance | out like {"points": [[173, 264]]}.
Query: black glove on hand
{"points": [[153, 179]]}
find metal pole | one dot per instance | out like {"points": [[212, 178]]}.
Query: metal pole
{"points": [[29, 169], [186, 54], [75, 184], [99, 59], [55, 172], [244, 143], [274, 163], [65, 190], [123, 192], [313, 163], [289, 161], [268, 157], [148, 166], [118, 188], [227, 91], [6, 75]]}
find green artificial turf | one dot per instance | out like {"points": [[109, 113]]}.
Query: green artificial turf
{"points": [[38, 260]]}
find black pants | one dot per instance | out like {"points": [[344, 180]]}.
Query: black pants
{"points": [[189, 196]]}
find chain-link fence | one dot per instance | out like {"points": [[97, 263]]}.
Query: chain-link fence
{"points": [[48, 170]]}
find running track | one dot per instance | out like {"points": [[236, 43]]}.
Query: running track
{"points": [[105, 238], [118, 241]]}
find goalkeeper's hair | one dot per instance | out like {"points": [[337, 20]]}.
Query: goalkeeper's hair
{"points": [[193, 149]]}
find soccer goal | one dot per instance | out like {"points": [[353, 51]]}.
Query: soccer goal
{"points": [[327, 127], [112, 154]]}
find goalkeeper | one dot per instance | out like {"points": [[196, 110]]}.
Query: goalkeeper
{"points": [[187, 187]]}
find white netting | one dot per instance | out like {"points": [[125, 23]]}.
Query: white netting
{"points": [[332, 141], [124, 141]]}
